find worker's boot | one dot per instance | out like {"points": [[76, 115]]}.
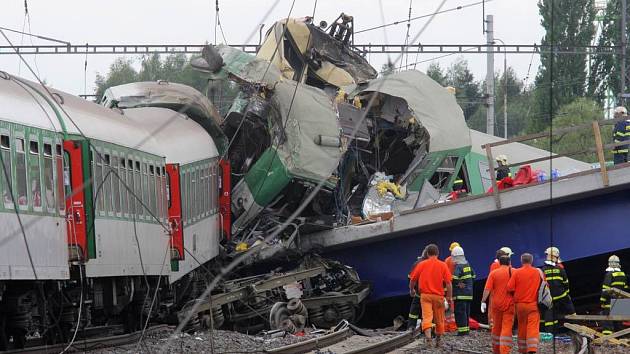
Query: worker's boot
{"points": [[438, 341]]}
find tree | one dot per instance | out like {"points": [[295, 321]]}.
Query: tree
{"points": [[580, 111], [572, 26], [468, 90], [605, 68], [172, 68], [435, 72], [388, 68], [120, 72]]}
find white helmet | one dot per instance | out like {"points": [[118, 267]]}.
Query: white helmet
{"points": [[457, 251], [613, 261], [552, 252], [507, 250], [502, 159], [621, 110]]}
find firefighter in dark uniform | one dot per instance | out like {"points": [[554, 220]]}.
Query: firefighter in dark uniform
{"points": [[463, 278], [558, 282], [621, 133], [614, 278], [414, 309]]}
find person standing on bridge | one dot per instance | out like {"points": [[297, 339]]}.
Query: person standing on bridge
{"points": [[501, 307], [463, 278], [621, 133], [524, 285], [556, 277], [432, 275]]}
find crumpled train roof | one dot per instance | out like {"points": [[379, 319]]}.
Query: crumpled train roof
{"points": [[433, 106]]}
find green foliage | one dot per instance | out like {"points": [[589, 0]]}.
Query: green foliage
{"points": [[468, 91], [173, 68], [572, 26], [435, 72], [605, 68], [578, 112]]}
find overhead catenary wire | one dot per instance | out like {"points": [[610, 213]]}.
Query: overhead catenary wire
{"points": [[431, 15], [240, 258]]}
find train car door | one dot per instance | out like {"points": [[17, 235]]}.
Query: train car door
{"points": [[225, 199], [77, 190], [175, 213]]}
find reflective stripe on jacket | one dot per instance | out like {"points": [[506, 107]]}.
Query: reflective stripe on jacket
{"points": [[463, 274]]}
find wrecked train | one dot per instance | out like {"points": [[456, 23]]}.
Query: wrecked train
{"points": [[114, 215]]}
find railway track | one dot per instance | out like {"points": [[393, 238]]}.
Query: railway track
{"points": [[88, 344], [345, 341]]}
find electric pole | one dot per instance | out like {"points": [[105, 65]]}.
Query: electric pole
{"points": [[490, 76], [624, 46]]}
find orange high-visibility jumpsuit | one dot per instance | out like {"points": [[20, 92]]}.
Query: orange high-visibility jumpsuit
{"points": [[431, 275], [502, 309], [524, 283], [494, 265]]}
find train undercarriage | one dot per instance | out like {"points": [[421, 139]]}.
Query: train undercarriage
{"points": [[47, 312]]}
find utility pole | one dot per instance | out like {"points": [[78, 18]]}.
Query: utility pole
{"points": [[624, 45], [490, 75]]}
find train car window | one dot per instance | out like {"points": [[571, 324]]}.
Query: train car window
{"points": [[186, 194], [122, 171], [5, 151], [195, 194], [213, 189], [20, 173], [152, 192], [160, 194], [145, 190], [137, 181], [165, 191], [49, 180], [98, 183], [34, 175], [107, 184], [115, 178], [130, 189], [61, 199], [119, 182], [206, 190]]}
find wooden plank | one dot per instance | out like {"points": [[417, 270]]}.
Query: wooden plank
{"points": [[591, 333], [620, 292], [493, 176], [600, 154], [612, 336], [616, 318]]}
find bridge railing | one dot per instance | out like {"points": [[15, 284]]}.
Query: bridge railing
{"points": [[598, 147]]}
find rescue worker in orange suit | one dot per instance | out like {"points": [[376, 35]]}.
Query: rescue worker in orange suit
{"points": [[558, 282], [502, 306], [449, 260], [463, 278], [459, 190], [524, 286], [432, 276], [614, 278], [414, 309], [621, 133], [503, 251]]}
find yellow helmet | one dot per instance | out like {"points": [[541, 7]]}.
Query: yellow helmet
{"points": [[453, 245]]}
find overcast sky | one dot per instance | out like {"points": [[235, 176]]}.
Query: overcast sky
{"points": [[192, 22]]}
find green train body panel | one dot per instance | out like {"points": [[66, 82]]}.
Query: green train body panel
{"points": [[263, 188]]}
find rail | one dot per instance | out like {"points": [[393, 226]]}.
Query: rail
{"points": [[598, 148], [316, 344], [83, 345]]}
